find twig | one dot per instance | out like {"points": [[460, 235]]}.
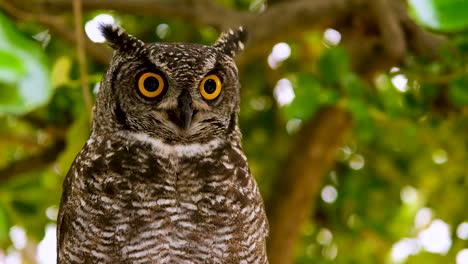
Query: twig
{"points": [[80, 48]]}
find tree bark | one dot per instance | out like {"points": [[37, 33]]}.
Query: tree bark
{"points": [[311, 157]]}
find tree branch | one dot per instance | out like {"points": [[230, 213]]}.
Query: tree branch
{"points": [[35, 162], [311, 157], [205, 12], [286, 20], [419, 40], [24, 141], [391, 30], [81, 54]]}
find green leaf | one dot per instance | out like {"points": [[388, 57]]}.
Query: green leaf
{"points": [[458, 91], [334, 65], [11, 68], [24, 74], [26, 208], [307, 92], [3, 224], [442, 15], [353, 85]]}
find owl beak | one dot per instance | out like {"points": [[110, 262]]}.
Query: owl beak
{"points": [[184, 109]]}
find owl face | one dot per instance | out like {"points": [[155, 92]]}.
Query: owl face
{"points": [[178, 93]]}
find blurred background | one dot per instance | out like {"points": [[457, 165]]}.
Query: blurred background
{"points": [[354, 115]]}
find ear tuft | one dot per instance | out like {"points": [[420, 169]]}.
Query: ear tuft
{"points": [[119, 39], [232, 42]]}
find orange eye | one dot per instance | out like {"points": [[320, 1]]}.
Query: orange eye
{"points": [[151, 84], [210, 87]]}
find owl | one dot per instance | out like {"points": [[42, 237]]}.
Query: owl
{"points": [[163, 178]]}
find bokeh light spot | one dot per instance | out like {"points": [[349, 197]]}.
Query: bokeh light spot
{"points": [[324, 237], [462, 231], [330, 252], [293, 126], [409, 195], [162, 30], [331, 36], [357, 162], [462, 256], [423, 218], [52, 212], [436, 238], [284, 93], [18, 237], [400, 82], [439, 156], [329, 194], [46, 250], [279, 53], [404, 248]]}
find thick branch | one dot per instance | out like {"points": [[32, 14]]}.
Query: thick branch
{"points": [[311, 157], [201, 11], [265, 28], [286, 20], [418, 40], [393, 37], [32, 163]]}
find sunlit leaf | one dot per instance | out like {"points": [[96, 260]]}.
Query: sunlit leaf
{"points": [[3, 224], [11, 68], [443, 15], [24, 75], [61, 71]]}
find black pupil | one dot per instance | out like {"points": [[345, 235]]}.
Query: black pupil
{"points": [[210, 86], [151, 84]]}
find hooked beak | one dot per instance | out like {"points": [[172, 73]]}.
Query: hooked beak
{"points": [[184, 112]]}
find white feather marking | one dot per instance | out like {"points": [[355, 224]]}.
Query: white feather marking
{"points": [[228, 165], [188, 150], [241, 45]]}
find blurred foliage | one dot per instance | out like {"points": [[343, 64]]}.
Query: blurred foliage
{"points": [[22, 66], [408, 150], [444, 15]]}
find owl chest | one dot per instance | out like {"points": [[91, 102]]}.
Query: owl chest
{"points": [[182, 201]]}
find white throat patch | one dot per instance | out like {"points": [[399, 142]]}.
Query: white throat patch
{"points": [[178, 150]]}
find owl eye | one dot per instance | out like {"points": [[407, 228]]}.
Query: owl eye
{"points": [[151, 84], [210, 87]]}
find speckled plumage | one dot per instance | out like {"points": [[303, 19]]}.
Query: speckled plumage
{"points": [[145, 190]]}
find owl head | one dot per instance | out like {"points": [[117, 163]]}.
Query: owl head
{"points": [[175, 92]]}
